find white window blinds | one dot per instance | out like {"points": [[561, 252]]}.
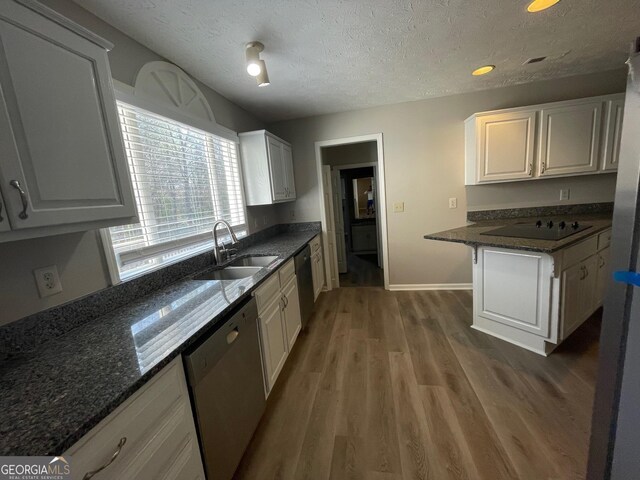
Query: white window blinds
{"points": [[184, 179]]}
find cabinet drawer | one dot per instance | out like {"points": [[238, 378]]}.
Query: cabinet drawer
{"points": [[158, 426], [287, 272], [604, 239], [267, 292], [315, 244], [582, 250]]}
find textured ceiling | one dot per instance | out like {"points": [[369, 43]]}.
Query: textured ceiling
{"points": [[328, 56]]}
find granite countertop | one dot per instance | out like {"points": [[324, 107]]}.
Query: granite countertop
{"points": [[472, 234], [53, 396]]}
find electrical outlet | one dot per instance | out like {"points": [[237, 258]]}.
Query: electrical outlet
{"points": [[398, 207], [453, 202], [564, 194], [48, 281]]}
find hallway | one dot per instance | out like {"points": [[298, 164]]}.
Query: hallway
{"points": [[395, 385], [362, 271]]}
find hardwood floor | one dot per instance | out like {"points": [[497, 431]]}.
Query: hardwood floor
{"points": [[395, 385], [362, 271]]}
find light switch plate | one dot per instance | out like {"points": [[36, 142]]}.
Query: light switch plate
{"points": [[398, 207], [453, 202], [48, 281], [564, 194]]}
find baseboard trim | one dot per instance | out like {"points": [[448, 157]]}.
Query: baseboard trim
{"points": [[430, 286]]}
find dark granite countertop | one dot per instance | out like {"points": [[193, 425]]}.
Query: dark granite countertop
{"points": [[53, 396], [472, 234]]}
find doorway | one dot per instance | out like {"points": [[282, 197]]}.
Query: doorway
{"points": [[353, 213]]}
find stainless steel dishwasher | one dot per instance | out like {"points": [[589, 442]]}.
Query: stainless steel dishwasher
{"points": [[225, 380], [304, 276]]}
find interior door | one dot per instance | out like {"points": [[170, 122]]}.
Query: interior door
{"points": [[278, 170], [62, 159], [569, 139], [376, 197], [341, 248], [331, 260]]}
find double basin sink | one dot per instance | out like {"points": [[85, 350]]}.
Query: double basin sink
{"points": [[239, 268]]}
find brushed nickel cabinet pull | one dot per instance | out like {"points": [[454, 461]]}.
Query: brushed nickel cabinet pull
{"points": [[121, 443], [23, 196], [543, 167], [530, 169]]}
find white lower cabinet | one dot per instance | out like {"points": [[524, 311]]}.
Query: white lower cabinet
{"points": [[279, 320], [150, 436], [536, 300]]}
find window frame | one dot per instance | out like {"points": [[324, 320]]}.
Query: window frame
{"points": [[126, 94]]}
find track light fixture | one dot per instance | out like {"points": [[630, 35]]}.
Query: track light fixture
{"points": [[263, 76], [252, 53]]}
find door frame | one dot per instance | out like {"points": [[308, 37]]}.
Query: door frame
{"points": [[381, 189], [351, 166]]}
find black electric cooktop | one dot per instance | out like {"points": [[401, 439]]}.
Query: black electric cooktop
{"points": [[540, 230]]}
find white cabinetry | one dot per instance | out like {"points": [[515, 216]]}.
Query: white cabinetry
{"points": [[153, 434], [279, 319], [612, 133], [536, 300], [575, 137], [503, 144], [62, 161], [569, 138], [267, 165], [317, 266]]}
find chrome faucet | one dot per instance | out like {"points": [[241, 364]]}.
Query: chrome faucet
{"points": [[220, 252]]}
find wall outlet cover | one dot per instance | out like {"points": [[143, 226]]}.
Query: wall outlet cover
{"points": [[48, 281], [398, 207], [564, 194], [453, 202]]}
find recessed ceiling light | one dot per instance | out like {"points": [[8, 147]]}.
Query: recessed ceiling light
{"points": [[483, 70], [539, 5]]}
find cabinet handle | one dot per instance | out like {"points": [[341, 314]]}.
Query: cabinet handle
{"points": [[23, 196], [530, 169], [121, 443], [543, 167], [602, 262], [286, 301], [582, 275], [281, 302]]}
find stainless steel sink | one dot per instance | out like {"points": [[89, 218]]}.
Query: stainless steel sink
{"points": [[256, 261], [229, 273]]}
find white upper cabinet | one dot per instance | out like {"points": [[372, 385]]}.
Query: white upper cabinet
{"points": [[612, 134], [503, 145], [569, 139], [267, 164], [62, 161], [575, 137]]}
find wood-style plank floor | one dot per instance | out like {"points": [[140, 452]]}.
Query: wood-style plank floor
{"points": [[362, 271], [395, 385]]}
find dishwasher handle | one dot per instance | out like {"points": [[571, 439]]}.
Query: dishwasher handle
{"points": [[206, 355]]}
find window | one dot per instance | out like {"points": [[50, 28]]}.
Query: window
{"points": [[184, 179]]}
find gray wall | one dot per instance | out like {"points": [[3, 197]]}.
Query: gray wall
{"points": [[424, 166], [79, 256]]}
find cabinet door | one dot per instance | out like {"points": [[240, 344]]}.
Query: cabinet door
{"points": [[277, 169], [569, 139], [274, 343], [514, 289], [506, 146], [287, 159], [314, 275], [612, 134], [603, 276], [578, 298], [320, 274], [59, 131], [293, 319]]}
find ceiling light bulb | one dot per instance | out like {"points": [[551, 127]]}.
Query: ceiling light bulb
{"points": [[539, 5], [252, 53], [253, 69], [483, 70], [263, 76]]}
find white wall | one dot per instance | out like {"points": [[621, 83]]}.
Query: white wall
{"points": [[79, 255], [424, 160]]}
